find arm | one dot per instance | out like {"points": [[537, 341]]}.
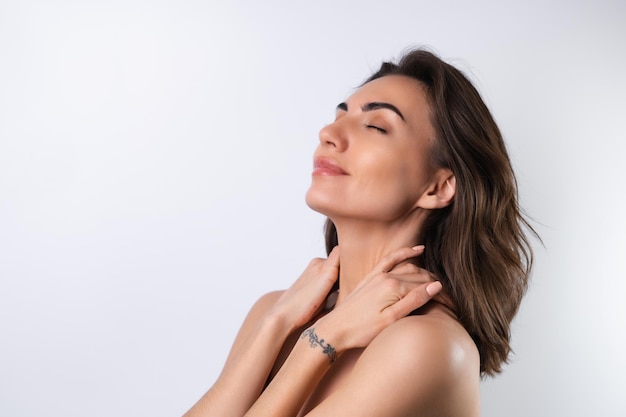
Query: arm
{"points": [[247, 367], [380, 300], [418, 366], [261, 337]]}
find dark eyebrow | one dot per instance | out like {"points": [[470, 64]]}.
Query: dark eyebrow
{"points": [[375, 105]]}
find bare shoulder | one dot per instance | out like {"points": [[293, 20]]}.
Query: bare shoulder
{"points": [[258, 310], [425, 365], [434, 357], [265, 302], [260, 307], [435, 336]]}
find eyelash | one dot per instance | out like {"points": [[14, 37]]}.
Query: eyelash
{"points": [[379, 129]]}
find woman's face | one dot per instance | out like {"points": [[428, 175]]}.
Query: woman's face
{"points": [[372, 161]]}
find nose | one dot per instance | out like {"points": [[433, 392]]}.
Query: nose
{"points": [[332, 135]]}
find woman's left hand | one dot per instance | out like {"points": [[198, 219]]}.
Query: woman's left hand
{"points": [[391, 291]]}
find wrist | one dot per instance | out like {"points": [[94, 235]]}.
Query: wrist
{"points": [[331, 334], [315, 342]]}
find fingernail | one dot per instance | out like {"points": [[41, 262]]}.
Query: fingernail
{"points": [[418, 247], [433, 288]]}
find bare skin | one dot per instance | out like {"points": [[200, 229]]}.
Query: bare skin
{"points": [[372, 177], [344, 384]]}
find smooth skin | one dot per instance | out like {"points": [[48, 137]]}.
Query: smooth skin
{"points": [[378, 193]]}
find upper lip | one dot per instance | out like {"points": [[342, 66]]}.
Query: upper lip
{"points": [[327, 163]]}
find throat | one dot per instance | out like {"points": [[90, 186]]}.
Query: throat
{"points": [[362, 245]]}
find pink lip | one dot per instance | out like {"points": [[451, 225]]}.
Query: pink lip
{"points": [[324, 166]]}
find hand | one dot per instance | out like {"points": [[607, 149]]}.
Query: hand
{"points": [[389, 292], [305, 298]]}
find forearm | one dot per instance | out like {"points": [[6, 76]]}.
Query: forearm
{"points": [[307, 363], [245, 372]]}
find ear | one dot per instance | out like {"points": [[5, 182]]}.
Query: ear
{"points": [[440, 192]]}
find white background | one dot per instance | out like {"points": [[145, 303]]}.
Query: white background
{"points": [[154, 157]]}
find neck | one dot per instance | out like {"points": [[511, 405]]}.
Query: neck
{"points": [[362, 244]]}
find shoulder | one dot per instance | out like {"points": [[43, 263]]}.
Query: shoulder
{"points": [[260, 307], [258, 310], [435, 338], [266, 301], [430, 361]]}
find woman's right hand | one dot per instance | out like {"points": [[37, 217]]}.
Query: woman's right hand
{"points": [[305, 298]]}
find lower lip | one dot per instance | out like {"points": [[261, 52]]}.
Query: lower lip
{"points": [[321, 172]]}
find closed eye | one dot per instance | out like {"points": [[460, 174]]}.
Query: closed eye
{"points": [[380, 129]]}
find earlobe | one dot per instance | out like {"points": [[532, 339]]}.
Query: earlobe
{"points": [[441, 191]]}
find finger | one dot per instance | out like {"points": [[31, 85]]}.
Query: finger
{"points": [[333, 257], [389, 261], [420, 276], [331, 265], [405, 268], [414, 299], [325, 278]]}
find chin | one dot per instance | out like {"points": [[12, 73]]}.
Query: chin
{"points": [[315, 201], [322, 202]]}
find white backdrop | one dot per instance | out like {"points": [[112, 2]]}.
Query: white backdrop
{"points": [[154, 157]]}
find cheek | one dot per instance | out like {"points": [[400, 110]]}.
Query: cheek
{"points": [[386, 183], [389, 183], [397, 182], [398, 170]]}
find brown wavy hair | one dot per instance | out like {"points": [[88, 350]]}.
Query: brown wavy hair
{"points": [[477, 246]]}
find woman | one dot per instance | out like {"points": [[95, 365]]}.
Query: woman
{"points": [[426, 244]]}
